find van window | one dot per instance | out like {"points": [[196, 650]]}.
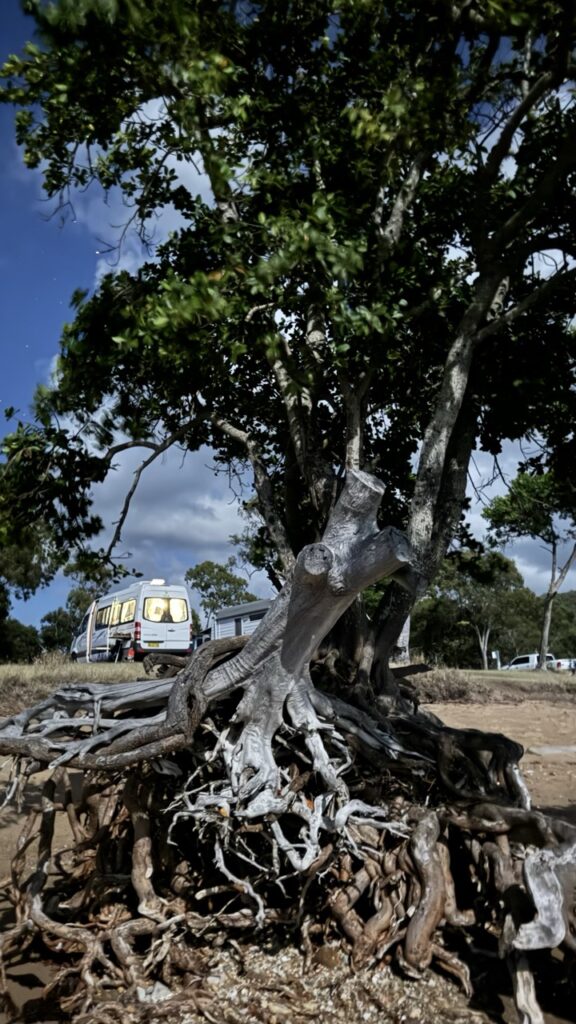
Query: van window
{"points": [[127, 610], [103, 617], [164, 609], [123, 612]]}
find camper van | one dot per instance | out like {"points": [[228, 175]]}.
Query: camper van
{"points": [[145, 617]]}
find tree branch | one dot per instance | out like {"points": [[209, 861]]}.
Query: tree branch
{"points": [[299, 405], [565, 160], [565, 569], [502, 147], [389, 235], [263, 488], [158, 449], [354, 401], [537, 295], [443, 420]]}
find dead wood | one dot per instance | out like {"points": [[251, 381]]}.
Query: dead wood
{"points": [[239, 799]]}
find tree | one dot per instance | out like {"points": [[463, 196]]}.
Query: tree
{"points": [[196, 624], [439, 636], [321, 333], [59, 627], [218, 585], [79, 599], [537, 506], [479, 592], [369, 202], [18, 643], [563, 627], [24, 566], [480, 585], [56, 630]]}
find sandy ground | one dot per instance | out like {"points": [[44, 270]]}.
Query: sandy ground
{"points": [[546, 731], [541, 726]]}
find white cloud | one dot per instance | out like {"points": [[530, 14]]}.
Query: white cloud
{"points": [[182, 513], [108, 216]]}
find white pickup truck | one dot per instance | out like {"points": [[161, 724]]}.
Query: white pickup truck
{"points": [[529, 662]]}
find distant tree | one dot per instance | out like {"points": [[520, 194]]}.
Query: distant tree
{"points": [[59, 627], [537, 506], [195, 622], [474, 594], [563, 626], [218, 585], [18, 643], [519, 629], [79, 600], [56, 630], [480, 585], [4, 601], [29, 554], [439, 636], [19, 573]]}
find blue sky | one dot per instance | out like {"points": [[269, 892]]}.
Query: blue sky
{"points": [[183, 512], [39, 261]]}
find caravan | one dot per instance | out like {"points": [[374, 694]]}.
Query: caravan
{"points": [[146, 617]]}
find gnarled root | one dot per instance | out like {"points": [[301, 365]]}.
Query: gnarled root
{"points": [[153, 873], [236, 798]]}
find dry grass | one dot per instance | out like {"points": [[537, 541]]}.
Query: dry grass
{"points": [[24, 685], [442, 685]]}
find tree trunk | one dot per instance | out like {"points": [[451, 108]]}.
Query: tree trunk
{"points": [[429, 536], [546, 623], [483, 638], [548, 604]]}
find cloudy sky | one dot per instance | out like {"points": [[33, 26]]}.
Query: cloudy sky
{"points": [[183, 512]]}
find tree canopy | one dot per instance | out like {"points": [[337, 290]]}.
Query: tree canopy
{"points": [[371, 262], [218, 585], [477, 602]]}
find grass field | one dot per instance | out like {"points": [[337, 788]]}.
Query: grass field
{"points": [[24, 685]]}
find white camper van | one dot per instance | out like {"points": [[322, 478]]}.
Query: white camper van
{"points": [[145, 617]]}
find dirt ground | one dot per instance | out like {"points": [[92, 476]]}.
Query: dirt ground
{"points": [[547, 730]]}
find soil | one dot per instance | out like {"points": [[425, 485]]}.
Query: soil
{"points": [[259, 986], [547, 731]]}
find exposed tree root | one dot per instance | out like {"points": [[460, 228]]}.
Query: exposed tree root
{"points": [[163, 862], [238, 800]]}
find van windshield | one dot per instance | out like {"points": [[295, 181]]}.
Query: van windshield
{"points": [[165, 609]]}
